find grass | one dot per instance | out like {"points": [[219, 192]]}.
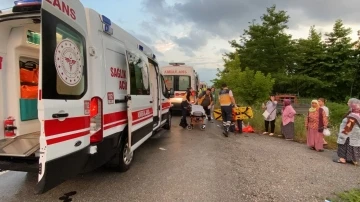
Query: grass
{"points": [[347, 196], [300, 132], [337, 111]]}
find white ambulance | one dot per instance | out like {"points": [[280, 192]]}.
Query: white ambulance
{"points": [[178, 78], [76, 91]]}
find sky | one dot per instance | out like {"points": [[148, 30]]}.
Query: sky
{"points": [[197, 31]]}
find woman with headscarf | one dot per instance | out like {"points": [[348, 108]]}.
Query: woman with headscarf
{"points": [[288, 117], [315, 123], [349, 136], [349, 103]]}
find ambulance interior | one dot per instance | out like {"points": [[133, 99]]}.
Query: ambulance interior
{"points": [[20, 40]]}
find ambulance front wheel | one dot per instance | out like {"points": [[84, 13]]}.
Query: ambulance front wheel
{"points": [[125, 157], [167, 125]]}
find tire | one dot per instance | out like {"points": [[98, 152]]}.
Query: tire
{"points": [[124, 164], [167, 125]]}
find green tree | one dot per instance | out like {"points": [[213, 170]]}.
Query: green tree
{"points": [[265, 46], [340, 66], [249, 86]]}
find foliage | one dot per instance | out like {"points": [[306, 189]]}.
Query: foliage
{"points": [[348, 196], [311, 67], [249, 85]]}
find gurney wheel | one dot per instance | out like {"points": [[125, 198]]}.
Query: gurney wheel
{"points": [[189, 127], [203, 127]]}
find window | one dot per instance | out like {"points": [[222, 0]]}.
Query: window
{"points": [[164, 89], [64, 72], [169, 82], [139, 75], [184, 83]]}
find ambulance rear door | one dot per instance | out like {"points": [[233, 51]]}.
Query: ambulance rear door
{"points": [[64, 104], [139, 99]]}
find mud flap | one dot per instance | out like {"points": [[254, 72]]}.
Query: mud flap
{"points": [[60, 169]]}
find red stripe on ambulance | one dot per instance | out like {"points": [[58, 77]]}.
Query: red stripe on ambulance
{"points": [[68, 137], [165, 105], [113, 117], [56, 127]]}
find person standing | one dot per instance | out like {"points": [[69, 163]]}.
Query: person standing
{"points": [[206, 101], [214, 103], [349, 136], [227, 101], [315, 123], [288, 119], [322, 105], [270, 107]]}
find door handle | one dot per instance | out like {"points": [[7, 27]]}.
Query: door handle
{"points": [[162, 99], [151, 101], [56, 116]]}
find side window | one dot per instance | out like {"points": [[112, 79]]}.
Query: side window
{"points": [[163, 87], [64, 73], [169, 82], [139, 74]]}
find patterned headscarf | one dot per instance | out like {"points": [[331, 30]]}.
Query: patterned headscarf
{"points": [[355, 106], [351, 100], [312, 109], [286, 103]]}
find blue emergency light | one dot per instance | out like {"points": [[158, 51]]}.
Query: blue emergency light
{"points": [[154, 57], [27, 2], [27, 5], [105, 20], [107, 25], [140, 47]]}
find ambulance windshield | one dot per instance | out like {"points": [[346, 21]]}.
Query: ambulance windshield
{"points": [[178, 83]]}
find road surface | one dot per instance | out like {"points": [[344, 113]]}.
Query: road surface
{"points": [[202, 166]]}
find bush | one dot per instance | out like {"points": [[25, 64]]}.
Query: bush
{"points": [[251, 87]]}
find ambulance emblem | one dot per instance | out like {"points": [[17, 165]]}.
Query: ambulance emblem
{"points": [[68, 62]]}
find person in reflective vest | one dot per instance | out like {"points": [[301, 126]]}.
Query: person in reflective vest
{"points": [[227, 101]]}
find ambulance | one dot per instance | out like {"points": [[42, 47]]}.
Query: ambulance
{"points": [[178, 78], [76, 91]]}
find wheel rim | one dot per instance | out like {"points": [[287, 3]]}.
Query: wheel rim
{"points": [[127, 155]]}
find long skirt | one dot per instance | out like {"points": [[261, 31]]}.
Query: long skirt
{"points": [[347, 152], [315, 139], [288, 130]]}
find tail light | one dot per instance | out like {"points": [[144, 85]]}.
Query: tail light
{"points": [[96, 120]]}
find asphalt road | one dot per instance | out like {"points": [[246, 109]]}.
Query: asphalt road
{"points": [[203, 166]]}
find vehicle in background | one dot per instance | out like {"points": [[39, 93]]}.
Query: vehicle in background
{"points": [[299, 106], [203, 86], [178, 78]]}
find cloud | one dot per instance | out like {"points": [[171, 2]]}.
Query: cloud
{"points": [[193, 42], [228, 18]]}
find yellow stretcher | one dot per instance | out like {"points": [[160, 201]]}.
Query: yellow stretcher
{"points": [[239, 113]]}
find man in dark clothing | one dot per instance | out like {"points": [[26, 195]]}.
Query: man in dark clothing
{"points": [[206, 100], [184, 107]]}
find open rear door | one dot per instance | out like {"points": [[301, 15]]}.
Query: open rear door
{"points": [[140, 103], [63, 99]]}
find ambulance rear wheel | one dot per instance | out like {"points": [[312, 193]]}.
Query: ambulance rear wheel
{"points": [[125, 157]]}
